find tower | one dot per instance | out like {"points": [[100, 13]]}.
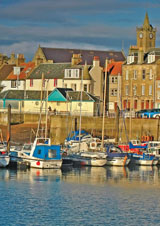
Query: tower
{"points": [[146, 35]]}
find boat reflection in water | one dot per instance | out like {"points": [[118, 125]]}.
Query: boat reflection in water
{"points": [[118, 176]]}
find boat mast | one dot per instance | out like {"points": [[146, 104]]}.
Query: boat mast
{"points": [[46, 109], [80, 117], [41, 107], [104, 102]]}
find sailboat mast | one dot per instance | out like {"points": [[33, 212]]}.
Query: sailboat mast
{"points": [[104, 102], [80, 117]]}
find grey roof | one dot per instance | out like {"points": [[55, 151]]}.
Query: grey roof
{"points": [[50, 71], [19, 95], [59, 55], [64, 91], [5, 71], [76, 96]]}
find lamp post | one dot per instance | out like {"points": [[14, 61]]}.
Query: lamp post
{"points": [[131, 105]]}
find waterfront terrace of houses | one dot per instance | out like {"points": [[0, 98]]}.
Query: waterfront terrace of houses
{"points": [[59, 101]]}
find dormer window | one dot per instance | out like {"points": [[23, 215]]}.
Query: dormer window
{"points": [[71, 73], [130, 59], [151, 58]]}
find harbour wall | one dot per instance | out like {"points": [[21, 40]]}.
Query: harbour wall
{"points": [[61, 125]]}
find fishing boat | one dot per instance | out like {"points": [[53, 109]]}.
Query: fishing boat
{"points": [[43, 155], [87, 158], [116, 157]]}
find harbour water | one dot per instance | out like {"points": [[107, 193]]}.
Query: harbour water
{"points": [[80, 196]]}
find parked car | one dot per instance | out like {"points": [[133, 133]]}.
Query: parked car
{"points": [[148, 113]]}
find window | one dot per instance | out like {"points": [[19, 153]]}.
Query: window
{"points": [[69, 73], [135, 90], [114, 79], [143, 74], [39, 152], [77, 73], [135, 74], [31, 82], [147, 104], [113, 92], [127, 90], [158, 84], [52, 153], [55, 82], [150, 90], [85, 87], [135, 104], [150, 74], [125, 104], [143, 89], [13, 84], [65, 85], [58, 103], [127, 74]]}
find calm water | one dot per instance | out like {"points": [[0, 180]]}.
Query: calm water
{"points": [[84, 196]]}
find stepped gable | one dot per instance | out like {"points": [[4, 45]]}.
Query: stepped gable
{"points": [[50, 71], [59, 55]]}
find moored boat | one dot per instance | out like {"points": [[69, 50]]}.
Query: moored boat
{"points": [[143, 159], [87, 158], [116, 157]]}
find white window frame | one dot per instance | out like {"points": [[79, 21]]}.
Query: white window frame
{"points": [[135, 74], [127, 75], [150, 90], [150, 73], [127, 90], [143, 90]]}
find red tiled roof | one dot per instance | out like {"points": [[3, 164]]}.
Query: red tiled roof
{"points": [[26, 68], [115, 68]]}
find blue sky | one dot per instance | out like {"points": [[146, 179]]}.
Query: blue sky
{"points": [[84, 24]]}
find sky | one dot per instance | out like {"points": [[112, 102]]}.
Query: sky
{"points": [[80, 24]]}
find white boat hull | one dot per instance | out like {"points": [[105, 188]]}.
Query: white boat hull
{"points": [[90, 162], [146, 162], [118, 161], [4, 161], [45, 164]]}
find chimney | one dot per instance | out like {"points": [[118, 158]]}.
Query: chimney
{"points": [[140, 56], [96, 62], [76, 59], [20, 59]]}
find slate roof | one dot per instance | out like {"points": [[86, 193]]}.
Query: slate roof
{"points": [[50, 71], [19, 95], [59, 55], [76, 96], [64, 91], [5, 71], [27, 68]]}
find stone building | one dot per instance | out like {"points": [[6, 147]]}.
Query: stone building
{"points": [[141, 71]]}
